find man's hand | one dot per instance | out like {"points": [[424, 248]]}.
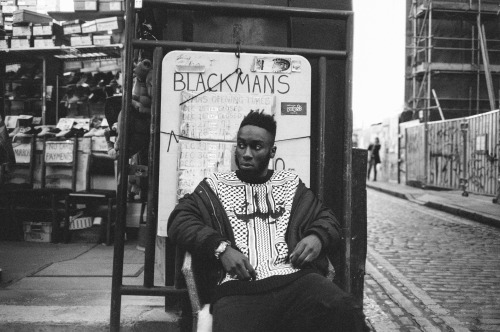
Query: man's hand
{"points": [[235, 263], [306, 251]]}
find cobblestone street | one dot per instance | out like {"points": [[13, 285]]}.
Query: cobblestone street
{"points": [[428, 270]]}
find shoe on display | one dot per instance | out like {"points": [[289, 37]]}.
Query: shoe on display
{"points": [[104, 123], [99, 132], [73, 100], [38, 74], [90, 133], [62, 133], [45, 131], [14, 132]]}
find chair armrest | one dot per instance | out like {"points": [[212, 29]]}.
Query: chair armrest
{"points": [[190, 278]]}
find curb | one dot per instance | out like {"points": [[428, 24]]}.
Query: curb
{"points": [[387, 191], [461, 212], [469, 214]]}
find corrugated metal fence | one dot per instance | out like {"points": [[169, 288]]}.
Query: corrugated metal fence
{"points": [[445, 162]]}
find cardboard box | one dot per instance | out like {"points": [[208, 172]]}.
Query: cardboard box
{"points": [[72, 27], [91, 65], [9, 9], [48, 41], [110, 23], [27, 2], [30, 8], [22, 29], [21, 42], [86, 5], [8, 18], [103, 40], [89, 27], [72, 65], [8, 27], [111, 6], [47, 29], [82, 40], [99, 144], [37, 231], [4, 42], [30, 16]]}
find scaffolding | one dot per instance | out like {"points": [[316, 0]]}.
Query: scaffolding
{"points": [[454, 54]]}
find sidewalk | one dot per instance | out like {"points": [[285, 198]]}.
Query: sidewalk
{"points": [[475, 207], [67, 287]]}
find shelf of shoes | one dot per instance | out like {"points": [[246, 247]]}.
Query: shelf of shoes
{"points": [[22, 89], [84, 92]]}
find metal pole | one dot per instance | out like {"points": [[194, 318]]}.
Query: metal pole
{"points": [[414, 55], [251, 10], [121, 204], [44, 89], [347, 165], [427, 108], [321, 127], [196, 46], [153, 171]]}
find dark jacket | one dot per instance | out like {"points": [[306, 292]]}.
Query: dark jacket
{"points": [[374, 153], [199, 223]]}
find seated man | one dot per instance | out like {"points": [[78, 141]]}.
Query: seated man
{"points": [[260, 239]]}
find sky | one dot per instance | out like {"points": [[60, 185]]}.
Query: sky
{"points": [[378, 60]]}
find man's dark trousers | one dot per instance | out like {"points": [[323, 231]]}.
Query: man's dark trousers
{"points": [[310, 303]]}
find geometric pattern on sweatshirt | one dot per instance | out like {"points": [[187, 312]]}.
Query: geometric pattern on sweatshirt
{"points": [[259, 216]]}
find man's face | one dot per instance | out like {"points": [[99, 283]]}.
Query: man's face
{"points": [[254, 149]]}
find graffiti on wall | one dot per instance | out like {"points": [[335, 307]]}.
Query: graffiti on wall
{"points": [[447, 143], [414, 161], [445, 164], [483, 172]]}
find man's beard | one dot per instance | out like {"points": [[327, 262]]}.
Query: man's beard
{"points": [[263, 166]]}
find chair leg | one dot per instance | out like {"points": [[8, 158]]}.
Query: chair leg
{"points": [[55, 222], [66, 221], [108, 222]]}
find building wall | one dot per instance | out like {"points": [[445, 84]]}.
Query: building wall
{"points": [[454, 65]]}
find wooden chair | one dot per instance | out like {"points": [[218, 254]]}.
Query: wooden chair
{"points": [[201, 317], [93, 196]]}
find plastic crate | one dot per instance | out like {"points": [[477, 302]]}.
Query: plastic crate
{"points": [[37, 231]]}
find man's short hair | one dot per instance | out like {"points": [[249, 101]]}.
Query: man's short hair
{"points": [[260, 119]]}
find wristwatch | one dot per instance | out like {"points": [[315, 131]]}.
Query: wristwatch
{"points": [[221, 248]]}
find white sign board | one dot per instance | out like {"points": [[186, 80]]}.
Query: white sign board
{"points": [[23, 153], [58, 152], [205, 95]]}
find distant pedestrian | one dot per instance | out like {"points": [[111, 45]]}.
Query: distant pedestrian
{"points": [[374, 158]]}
